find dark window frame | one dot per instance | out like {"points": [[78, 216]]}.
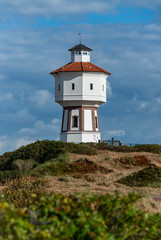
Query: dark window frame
{"points": [[91, 86], [73, 86], [96, 122], [75, 121]]}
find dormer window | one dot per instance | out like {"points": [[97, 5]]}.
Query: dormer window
{"points": [[78, 52]]}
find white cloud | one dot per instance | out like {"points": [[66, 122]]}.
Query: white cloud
{"points": [[42, 98], [49, 7], [21, 116], [24, 136], [142, 106], [42, 129], [153, 27], [6, 96], [11, 143]]}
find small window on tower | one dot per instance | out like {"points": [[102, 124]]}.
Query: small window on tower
{"points": [[73, 86], [91, 86], [78, 52], [59, 87], [84, 52], [103, 88], [75, 121]]}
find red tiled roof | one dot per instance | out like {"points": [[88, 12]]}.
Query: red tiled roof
{"points": [[80, 67]]}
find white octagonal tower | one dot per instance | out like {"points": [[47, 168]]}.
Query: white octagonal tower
{"points": [[80, 88]]}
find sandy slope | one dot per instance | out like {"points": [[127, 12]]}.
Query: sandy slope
{"points": [[102, 182]]}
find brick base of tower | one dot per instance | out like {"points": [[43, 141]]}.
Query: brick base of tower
{"points": [[80, 124]]}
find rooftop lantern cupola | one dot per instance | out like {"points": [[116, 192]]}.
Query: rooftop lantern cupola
{"points": [[80, 53], [80, 88]]}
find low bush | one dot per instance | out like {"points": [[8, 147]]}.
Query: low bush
{"points": [[50, 169], [75, 217], [148, 177], [23, 166], [105, 146], [154, 148]]}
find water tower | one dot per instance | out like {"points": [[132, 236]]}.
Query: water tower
{"points": [[80, 88]]}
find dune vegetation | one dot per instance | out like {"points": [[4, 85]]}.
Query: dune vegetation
{"points": [[55, 190]]}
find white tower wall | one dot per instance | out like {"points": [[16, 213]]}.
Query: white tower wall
{"points": [[82, 87]]}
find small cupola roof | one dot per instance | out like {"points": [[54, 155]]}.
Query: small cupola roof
{"points": [[80, 46]]}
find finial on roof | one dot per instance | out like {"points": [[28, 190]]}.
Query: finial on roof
{"points": [[80, 36]]}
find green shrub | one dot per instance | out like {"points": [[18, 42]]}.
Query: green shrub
{"points": [[154, 148], [50, 169], [148, 177], [111, 217], [42, 151], [23, 166]]}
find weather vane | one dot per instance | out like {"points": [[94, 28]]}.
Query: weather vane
{"points": [[80, 36]]}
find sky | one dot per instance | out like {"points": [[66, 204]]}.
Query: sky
{"points": [[35, 36]]}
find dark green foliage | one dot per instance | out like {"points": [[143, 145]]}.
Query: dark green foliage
{"points": [[105, 146], [154, 148], [148, 177], [111, 217], [6, 175], [42, 151]]}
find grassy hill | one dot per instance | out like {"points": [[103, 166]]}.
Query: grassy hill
{"points": [[42, 178]]}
